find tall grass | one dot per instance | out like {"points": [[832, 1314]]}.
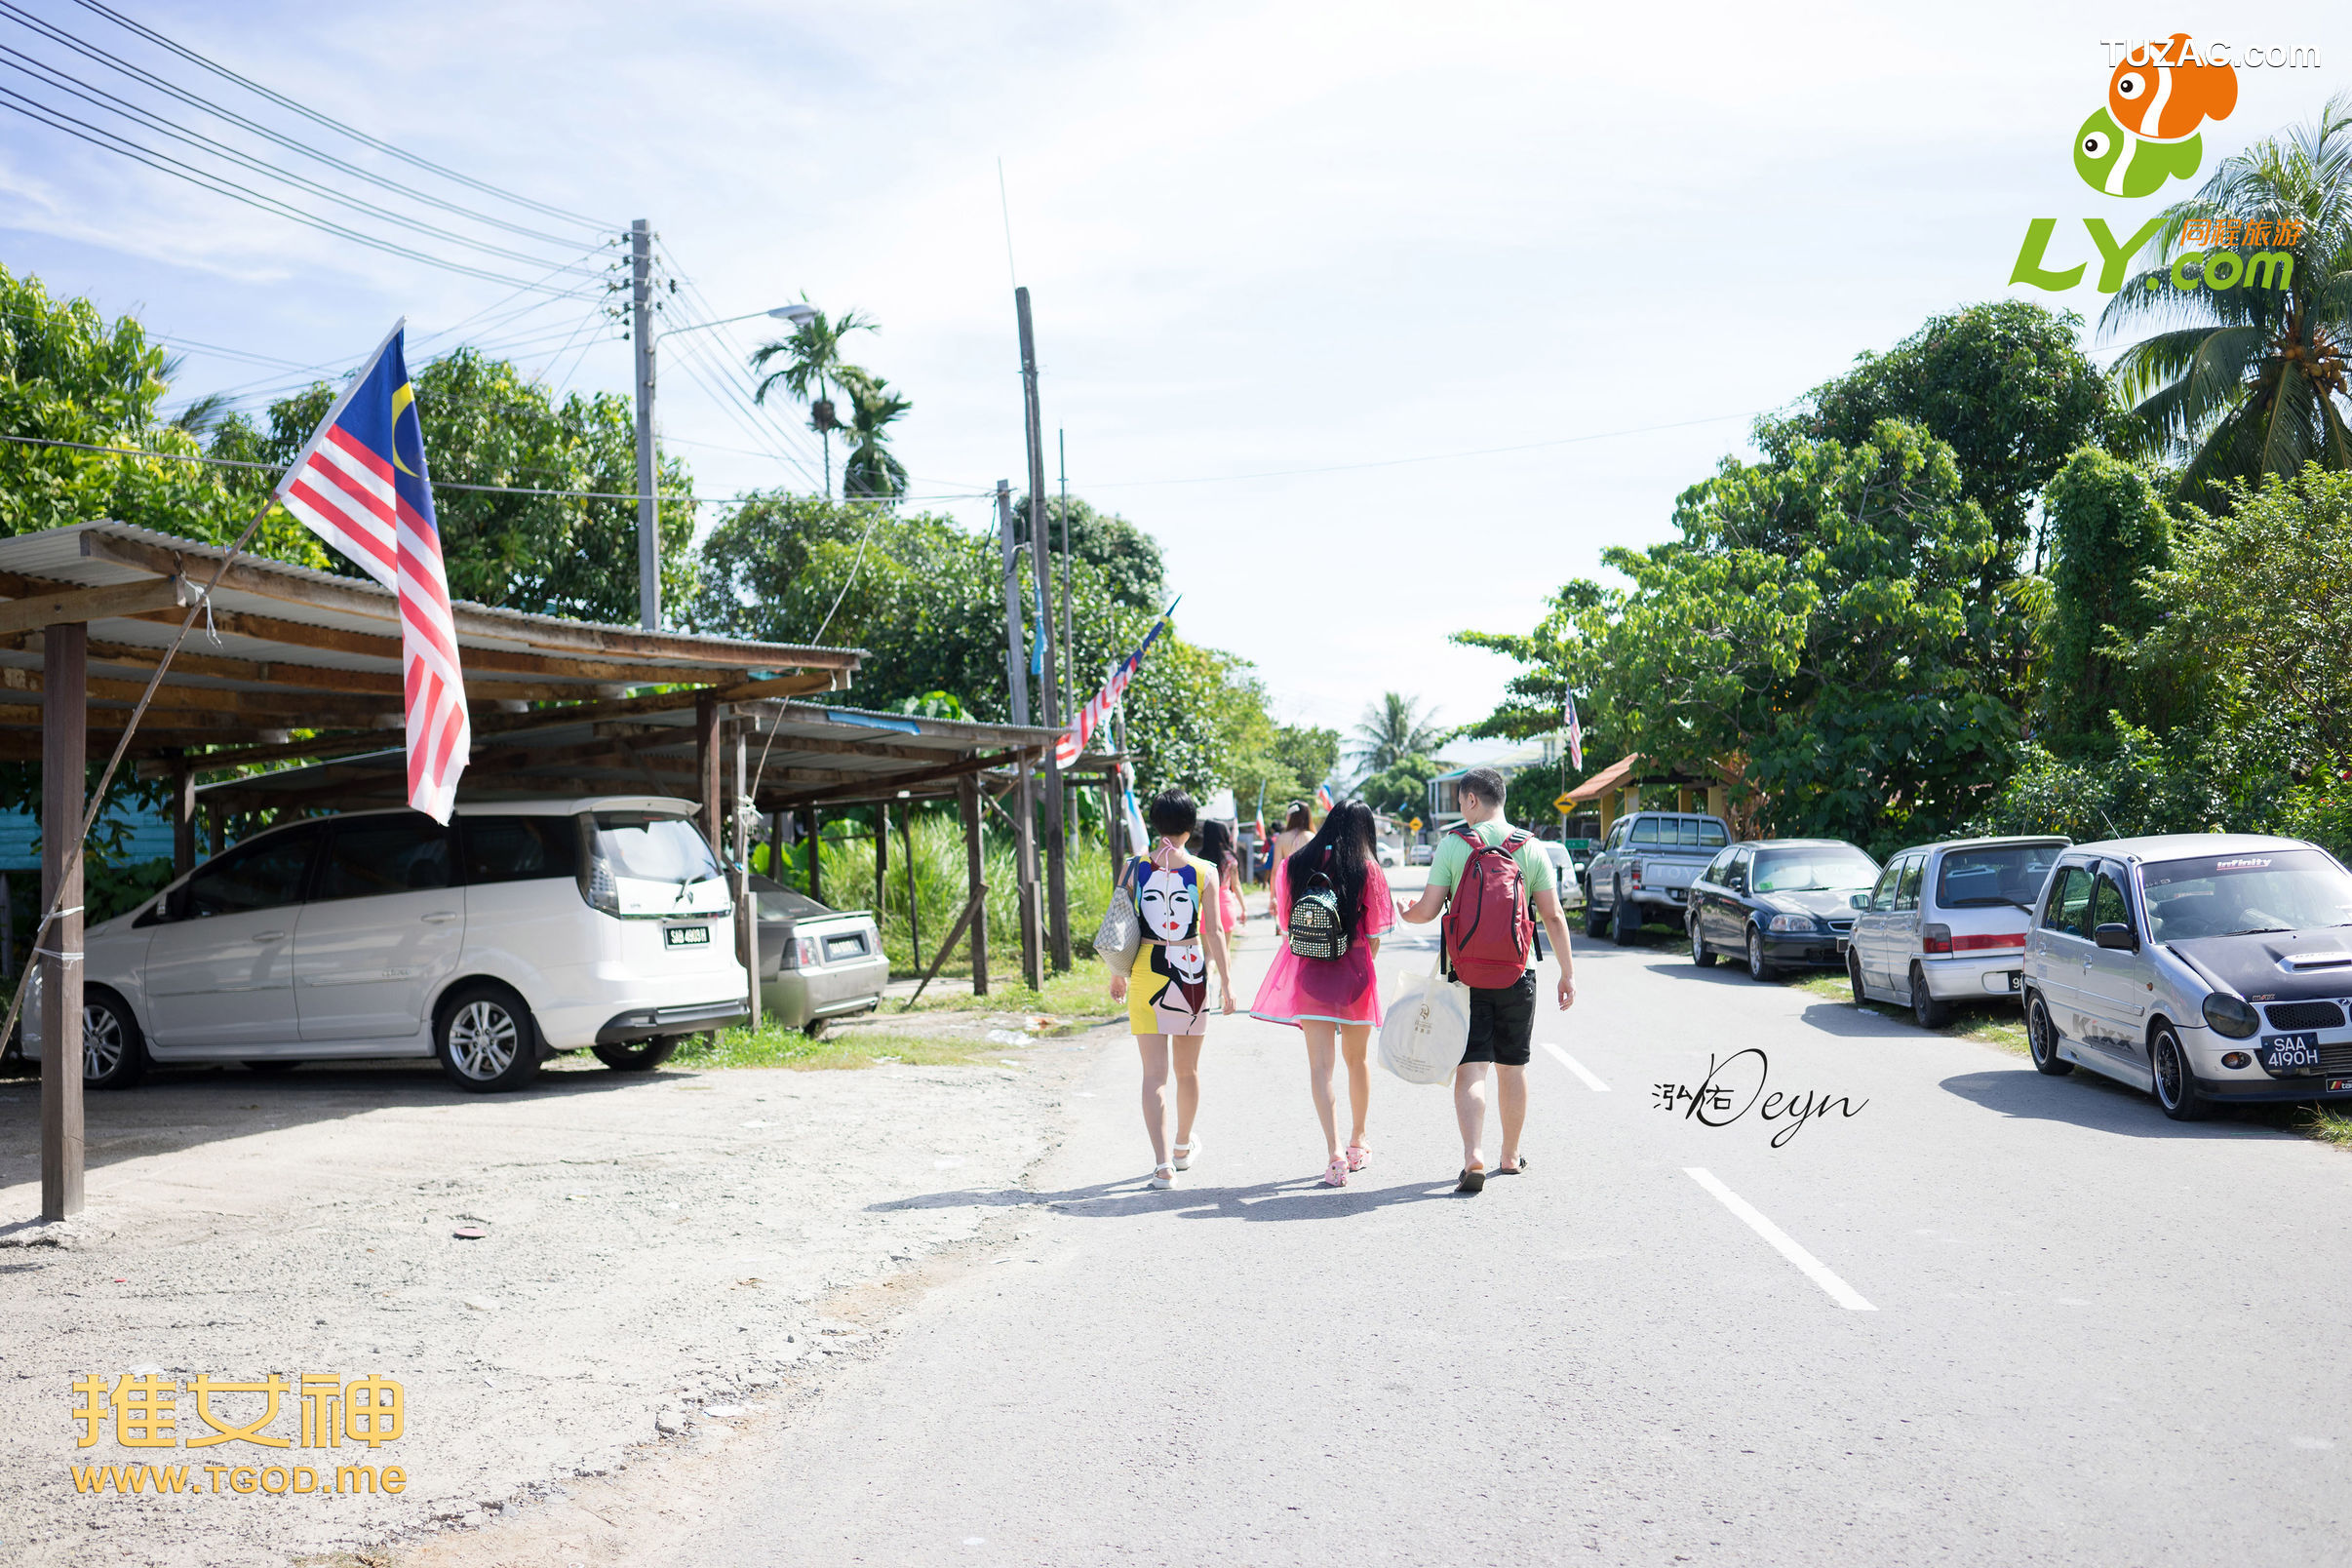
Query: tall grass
{"points": [[934, 886]]}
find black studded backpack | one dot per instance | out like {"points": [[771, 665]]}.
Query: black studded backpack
{"points": [[1318, 930]]}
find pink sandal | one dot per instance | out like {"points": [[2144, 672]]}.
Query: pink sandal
{"points": [[1359, 1156], [1336, 1173]]}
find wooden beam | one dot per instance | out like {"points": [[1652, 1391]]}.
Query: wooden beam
{"points": [[63, 775], [79, 606], [967, 805], [782, 685], [881, 785], [376, 603]]}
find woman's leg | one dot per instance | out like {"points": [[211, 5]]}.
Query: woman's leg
{"points": [[1155, 1051], [1320, 1058], [1187, 1051], [1354, 1039], [1470, 1110]]}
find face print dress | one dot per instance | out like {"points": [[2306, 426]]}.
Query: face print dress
{"points": [[1168, 994]]}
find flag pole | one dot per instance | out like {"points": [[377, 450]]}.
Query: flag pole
{"points": [[98, 798]]}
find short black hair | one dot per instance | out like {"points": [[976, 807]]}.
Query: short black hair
{"points": [[1171, 813], [1485, 783]]}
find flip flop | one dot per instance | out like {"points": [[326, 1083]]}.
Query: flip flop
{"points": [[1518, 1168], [1472, 1181]]}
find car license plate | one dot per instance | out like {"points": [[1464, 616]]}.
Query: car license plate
{"points": [[700, 936], [2291, 1053], [2335, 1084]]}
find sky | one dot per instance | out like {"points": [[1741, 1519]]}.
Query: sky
{"points": [[1386, 319]]}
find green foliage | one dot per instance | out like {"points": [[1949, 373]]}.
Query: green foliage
{"points": [[1288, 759], [871, 469], [1528, 795], [2108, 530], [1128, 556], [485, 422], [2246, 382], [1402, 789], [2003, 384], [813, 366], [1392, 729], [1553, 659]]}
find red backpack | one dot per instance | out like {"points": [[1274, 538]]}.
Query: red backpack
{"points": [[1487, 928]]}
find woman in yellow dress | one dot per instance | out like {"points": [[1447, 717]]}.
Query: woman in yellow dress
{"points": [[1167, 997]]}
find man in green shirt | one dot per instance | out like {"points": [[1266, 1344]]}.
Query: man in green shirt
{"points": [[1502, 1020]]}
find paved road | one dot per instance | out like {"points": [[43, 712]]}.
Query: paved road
{"points": [[2071, 1331]]}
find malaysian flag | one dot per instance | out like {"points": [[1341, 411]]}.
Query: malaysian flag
{"points": [[1322, 798], [1576, 733], [361, 484], [1098, 708]]}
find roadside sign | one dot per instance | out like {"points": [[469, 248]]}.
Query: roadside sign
{"points": [[1415, 824], [1564, 805]]}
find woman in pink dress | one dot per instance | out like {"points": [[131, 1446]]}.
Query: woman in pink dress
{"points": [[1335, 1001], [1216, 848]]}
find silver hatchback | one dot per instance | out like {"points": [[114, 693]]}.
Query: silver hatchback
{"points": [[2203, 968], [1946, 922]]}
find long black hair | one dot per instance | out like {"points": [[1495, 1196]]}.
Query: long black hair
{"points": [[1216, 843], [1341, 849]]}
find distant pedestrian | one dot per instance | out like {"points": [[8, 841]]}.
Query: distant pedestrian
{"points": [[1217, 848], [1332, 901], [1175, 896], [1483, 877], [1297, 828]]}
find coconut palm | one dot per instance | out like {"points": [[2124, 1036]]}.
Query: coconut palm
{"points": [[812, 364], [871, 470], [2254, 383], [1394, 729]]}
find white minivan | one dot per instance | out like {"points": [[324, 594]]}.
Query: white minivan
{"points": [[519, 930]]}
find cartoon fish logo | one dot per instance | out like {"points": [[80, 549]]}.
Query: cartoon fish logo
{"points": [[2113, 160], [2148, 132], [2165, 102]]}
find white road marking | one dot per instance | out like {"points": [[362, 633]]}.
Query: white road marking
{"points": [[1806, 1264], [1578, 1067]]}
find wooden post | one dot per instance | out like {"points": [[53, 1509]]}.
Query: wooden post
{"points": [[776, 843], [816, 858], [183, 814], [216, 829], [64, 740], [906, 839], [967, 802], [706, 757], [1025, 851], [882, 861], [747, 903], [1112, 825]]}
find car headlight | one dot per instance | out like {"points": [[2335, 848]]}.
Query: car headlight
{"points": [[2230, 1016], [1789, 923]]}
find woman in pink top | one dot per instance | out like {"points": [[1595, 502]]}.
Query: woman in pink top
{"points": [[1333, 1001], [1216, 848]]}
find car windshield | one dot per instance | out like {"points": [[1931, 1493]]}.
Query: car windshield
{"points": [[2250, 890], [1829, 869], [1997, 874]]}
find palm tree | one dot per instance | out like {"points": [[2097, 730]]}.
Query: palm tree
{"points": [[1394, 729], [812, 364], [870, 470], [2254, 383]]}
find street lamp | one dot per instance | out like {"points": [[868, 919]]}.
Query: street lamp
{"points": [[797, 315]]}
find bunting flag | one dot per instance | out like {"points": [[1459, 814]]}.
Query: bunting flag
{"points": [[361, 484], [1322, 798], [1576, 734], [1074, 740]]}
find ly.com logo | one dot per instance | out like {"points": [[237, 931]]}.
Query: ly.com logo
{"points": [[2157, 100]]}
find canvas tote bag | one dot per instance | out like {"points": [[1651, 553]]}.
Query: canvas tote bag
{"points": [[1428, 1030]]}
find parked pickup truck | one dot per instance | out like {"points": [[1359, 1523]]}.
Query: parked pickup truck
{"points": [[1644, 868]]}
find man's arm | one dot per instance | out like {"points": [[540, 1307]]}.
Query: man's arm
{"points": [[1555, 927], [1428, 907]]}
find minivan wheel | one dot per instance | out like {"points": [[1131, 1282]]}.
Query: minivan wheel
{"points": [[1861, 996], [115, 1055], [1699, 954], [1757, 968], [2175, 1086], [1624, 919], [486, 1040], [1925, 1008], [2042, 1039], [638, 1056]]}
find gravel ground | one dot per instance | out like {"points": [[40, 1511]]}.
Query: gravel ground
{"points": [[660, 1252]]}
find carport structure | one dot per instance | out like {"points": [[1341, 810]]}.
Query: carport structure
{"points": [[89, 610]]}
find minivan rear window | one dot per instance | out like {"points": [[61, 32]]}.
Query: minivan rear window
{"points": [[520, 848], [655, 848]]}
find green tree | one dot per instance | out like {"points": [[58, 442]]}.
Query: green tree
{"points": [[814, 363], [1392, 729], [1128, 556], [1402, 789], [2108, 530], [485, 422], [2254, 382], [871, 469], [2003, 384]]}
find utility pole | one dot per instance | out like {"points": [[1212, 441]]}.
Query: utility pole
{"points": [[1016, 655], [1072, 700], [648, 509], [1016, 660], [1057, 890]]}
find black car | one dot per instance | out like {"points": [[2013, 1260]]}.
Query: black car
{"points": [[1778, 903]]}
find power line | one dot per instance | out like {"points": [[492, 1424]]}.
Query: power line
{"points": [[315, 117]]}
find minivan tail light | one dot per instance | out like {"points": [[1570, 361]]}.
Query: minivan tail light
{"points": [[1934, 939]]}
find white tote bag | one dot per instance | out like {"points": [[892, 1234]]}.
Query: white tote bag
{"points": [[1428, 1030]]}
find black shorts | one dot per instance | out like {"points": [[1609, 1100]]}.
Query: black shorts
{"points": [[1501, 1023]]}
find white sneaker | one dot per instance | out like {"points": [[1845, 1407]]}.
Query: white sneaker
{"points": [[1164, 1177], [1185, 1153]]}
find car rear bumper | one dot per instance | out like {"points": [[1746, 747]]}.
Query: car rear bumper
{"points": [[798, 998], [662, 1023], [1975, 978]]}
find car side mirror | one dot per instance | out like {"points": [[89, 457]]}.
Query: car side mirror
{"points": [[1857, 900], [2116, 934]]}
